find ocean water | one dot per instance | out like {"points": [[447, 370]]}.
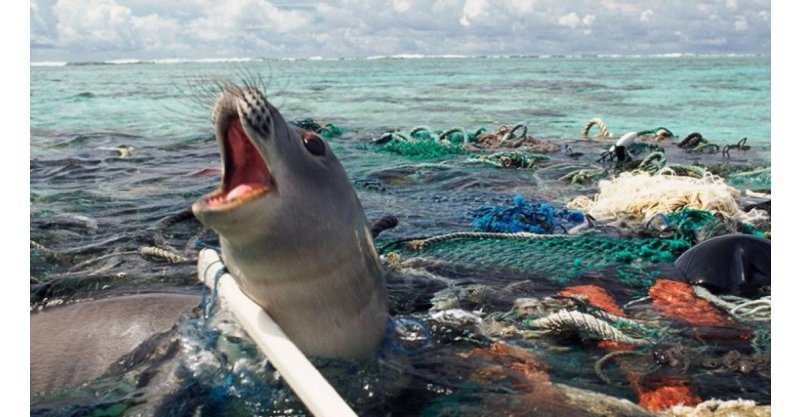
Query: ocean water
{"points": [[118, 148], [722, 98]]}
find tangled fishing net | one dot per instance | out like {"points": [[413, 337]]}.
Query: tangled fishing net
{"points": [[641, 196], [422, 149], [506, 138], [525, 216], [511, 159], [555, 258], [327, 131], [423, 143]]}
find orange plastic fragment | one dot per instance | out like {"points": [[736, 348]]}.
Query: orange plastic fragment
{"points": [[677, 300], [667, 395], [597, 297]]}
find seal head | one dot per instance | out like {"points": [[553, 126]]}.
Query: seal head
{"points": [[292, 230]]}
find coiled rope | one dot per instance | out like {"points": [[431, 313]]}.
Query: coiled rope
{"points": [[604, 133], [587, 325], [510, 133]]}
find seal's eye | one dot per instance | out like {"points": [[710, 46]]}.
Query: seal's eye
{"points": [[314, 144]]}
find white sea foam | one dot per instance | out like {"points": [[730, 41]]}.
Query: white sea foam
{"points": [[126, 61], [48, 64], [202, 60]]}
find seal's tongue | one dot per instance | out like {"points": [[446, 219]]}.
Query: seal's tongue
{"points": [[245, 169]]}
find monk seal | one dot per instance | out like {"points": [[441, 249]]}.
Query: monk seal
{"points": [[292, 231], [77, 343]]}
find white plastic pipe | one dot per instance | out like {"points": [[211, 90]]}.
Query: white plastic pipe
{"points": [[309, 385]]}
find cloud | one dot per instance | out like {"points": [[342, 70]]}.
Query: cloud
{"points": [[225, 20], [474, 10], [41, 35], [646, 16], [572, 20], [741, 23], [146, 29], [96, 23]]}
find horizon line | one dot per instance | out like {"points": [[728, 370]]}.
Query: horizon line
{"points": [[133, 61]]}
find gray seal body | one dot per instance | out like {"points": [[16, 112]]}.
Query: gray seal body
{"points": [[77, 343], [292, 230]]}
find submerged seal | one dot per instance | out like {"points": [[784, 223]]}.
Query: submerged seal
{"points": [[77, 343], [292, 230], [731, 264]]}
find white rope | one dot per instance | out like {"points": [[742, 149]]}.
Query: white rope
{"points": [[604, 133], [309, 385], [742, 309], [587, 324], [642, 196]]}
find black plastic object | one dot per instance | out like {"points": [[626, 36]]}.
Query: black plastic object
{"points": [[735, 264]]}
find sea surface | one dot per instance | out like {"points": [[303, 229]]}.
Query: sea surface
{"points": [[118, 148]]}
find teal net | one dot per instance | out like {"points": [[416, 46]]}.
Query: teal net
{"points": [[422, 149], [756, 179], [558, 258]]}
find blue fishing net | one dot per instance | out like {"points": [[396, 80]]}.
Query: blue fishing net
{"points": [[525, 216]]}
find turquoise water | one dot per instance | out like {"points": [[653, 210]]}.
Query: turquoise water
{"points": [[94, 207], [723, 98]]}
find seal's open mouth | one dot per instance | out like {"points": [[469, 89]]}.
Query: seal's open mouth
{"points": [[246, 175]]}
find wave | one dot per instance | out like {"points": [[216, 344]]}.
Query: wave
{"points": [[127, 61], [203, 60], [415, 56], [131, 61], [48, 64]]}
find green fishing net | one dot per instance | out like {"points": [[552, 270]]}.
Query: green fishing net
{"points": [[556, 258], [422, 149]]}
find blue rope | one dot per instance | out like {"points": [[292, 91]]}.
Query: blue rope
{"points": [[659, 215]]}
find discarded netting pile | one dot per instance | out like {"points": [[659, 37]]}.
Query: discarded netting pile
{"points": [[640, 196], [327, 131], [525, 217], [695, 142], [423, 143], [758, 179], [511, 138], [698, 225], [511, 159], [556, 258], [599, 284]]}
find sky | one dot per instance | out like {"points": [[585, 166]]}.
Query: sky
{"points": [[101, 30]]}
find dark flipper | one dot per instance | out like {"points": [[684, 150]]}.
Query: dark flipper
{"points": [[731, 264]]}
